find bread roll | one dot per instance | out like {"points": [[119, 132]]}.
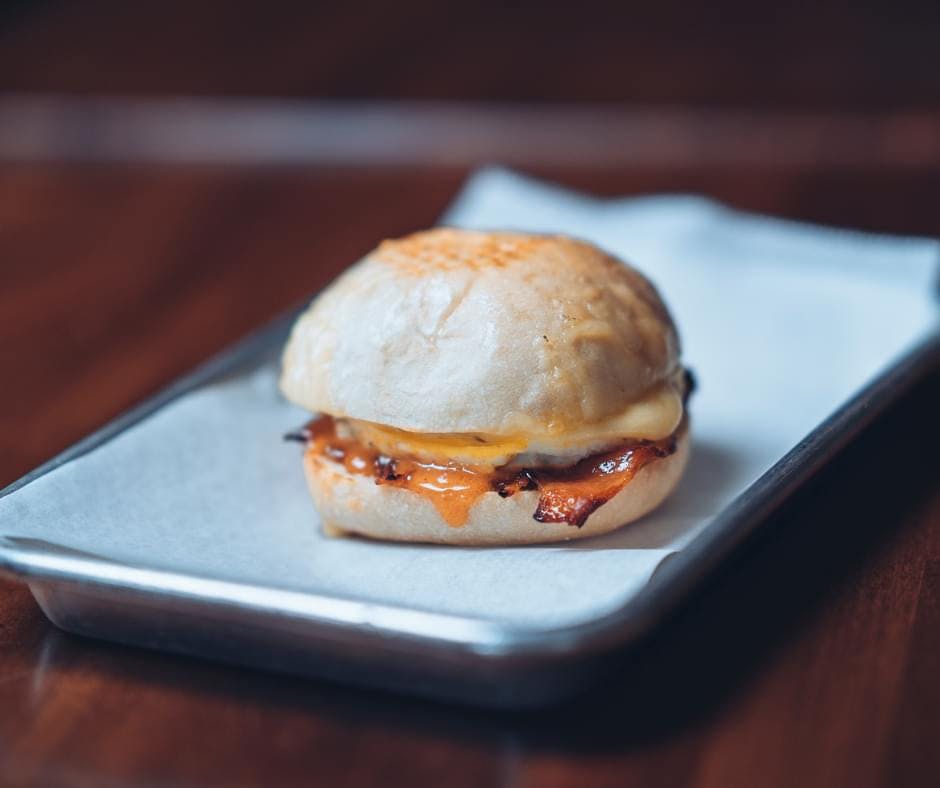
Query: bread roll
{"points": [[502, 355]]}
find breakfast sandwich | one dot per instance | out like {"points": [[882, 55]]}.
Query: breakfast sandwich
{"points": [[488, 388]]}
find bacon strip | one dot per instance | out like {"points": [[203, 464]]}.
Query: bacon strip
{"points": [[566, 495]]}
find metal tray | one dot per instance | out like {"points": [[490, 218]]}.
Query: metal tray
{"points": [[442, 656]]}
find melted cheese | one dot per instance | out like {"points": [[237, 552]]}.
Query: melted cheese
{"points": [[654, 417], [471, 448]]}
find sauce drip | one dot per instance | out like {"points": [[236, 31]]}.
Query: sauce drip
{"points": [[566, 495]]}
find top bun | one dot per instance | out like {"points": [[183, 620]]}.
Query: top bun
{"points": [[501, 333]]}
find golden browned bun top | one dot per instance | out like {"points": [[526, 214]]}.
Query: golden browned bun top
{"points": [[460, 331]]}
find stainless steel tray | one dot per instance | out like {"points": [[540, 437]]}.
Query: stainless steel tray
{"points": [[443, 656]]}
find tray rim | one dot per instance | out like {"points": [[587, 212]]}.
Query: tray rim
{"points": [[421, 631]]}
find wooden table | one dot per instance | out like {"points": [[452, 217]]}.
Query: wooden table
{"points": [[125, 261]]}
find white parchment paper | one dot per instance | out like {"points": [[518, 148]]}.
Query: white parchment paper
{"points": [[780, 321]]}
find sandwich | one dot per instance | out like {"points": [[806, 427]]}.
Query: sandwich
{"points": [[485, 388]]}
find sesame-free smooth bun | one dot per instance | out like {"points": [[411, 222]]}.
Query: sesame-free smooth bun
{"points": [[488, 388], [456, 331]]}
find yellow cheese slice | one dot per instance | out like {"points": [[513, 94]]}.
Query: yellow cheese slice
{"points": [[655, 416]]}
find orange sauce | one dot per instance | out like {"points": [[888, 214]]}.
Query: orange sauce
{"points": [[566, 495]]}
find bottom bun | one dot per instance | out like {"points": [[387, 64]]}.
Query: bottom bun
{"points": [[355, 504]]}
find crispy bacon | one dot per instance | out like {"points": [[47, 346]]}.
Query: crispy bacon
{"points": [[566, 495]]}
